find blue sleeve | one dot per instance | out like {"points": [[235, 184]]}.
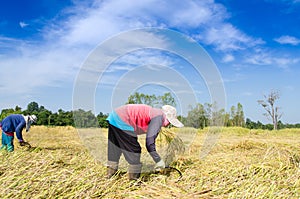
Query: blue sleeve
{"points": [[153, 130], [19, 129]]}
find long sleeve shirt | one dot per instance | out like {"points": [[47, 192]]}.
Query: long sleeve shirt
{"points": [[14, 123], [141, 119]]}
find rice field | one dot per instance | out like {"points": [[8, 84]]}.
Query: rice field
{"points": [[240, 163]]}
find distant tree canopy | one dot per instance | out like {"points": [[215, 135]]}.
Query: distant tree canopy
{"points": [[84, 119], [205, 115], [199, 116], [151, 100]]}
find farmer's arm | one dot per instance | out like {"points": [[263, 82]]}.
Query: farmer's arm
{"points": [[153, 130], [19, 129]]}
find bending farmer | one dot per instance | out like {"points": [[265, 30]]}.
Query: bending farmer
{"points": [[128, 121], [15, 123]]}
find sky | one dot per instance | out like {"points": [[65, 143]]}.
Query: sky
{"points": [[252, 47]]}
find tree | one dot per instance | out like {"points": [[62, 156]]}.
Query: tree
{"points": [[43, 117], [102, 120], [85, 119], [214, 115], [18, 110], [6, 112], [237, 117], [197, 117], [151, 100], [240, 115], [250, 124], [32, 108], [272, 111], [167, 99]]}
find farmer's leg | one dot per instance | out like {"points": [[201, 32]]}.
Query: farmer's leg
{"points": [[114, 151], [132, 153], [10, 143], [131, 148], [3, 146]]}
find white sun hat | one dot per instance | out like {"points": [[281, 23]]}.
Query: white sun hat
{"points": [[171, 113], [33, 118]]}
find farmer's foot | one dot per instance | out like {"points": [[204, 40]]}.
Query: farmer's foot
{"points": [[3, 147], [10, 148]]}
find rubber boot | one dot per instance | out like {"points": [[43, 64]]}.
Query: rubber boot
{"points": [[112, 168], [10, 147], [3, 147], [134, 171]]}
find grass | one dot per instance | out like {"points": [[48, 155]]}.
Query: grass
{"points": [[241, 164]]}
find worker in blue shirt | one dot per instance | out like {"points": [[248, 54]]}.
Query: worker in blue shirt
{"points": [[15, 123]]}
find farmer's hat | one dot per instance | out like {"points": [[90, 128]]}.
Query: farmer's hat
{"points": [[170, 113], [32, 118], [29, 120]]}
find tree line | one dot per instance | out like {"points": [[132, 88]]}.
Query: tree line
{"points": [[199, 116], [60, 118]]}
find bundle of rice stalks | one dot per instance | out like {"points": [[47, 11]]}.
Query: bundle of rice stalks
{"points": [[174, 145]]}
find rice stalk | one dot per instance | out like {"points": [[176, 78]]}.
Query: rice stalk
{"points": [[175, 145]]}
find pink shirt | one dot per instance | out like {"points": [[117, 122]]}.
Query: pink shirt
{"points": [[139, 116]]}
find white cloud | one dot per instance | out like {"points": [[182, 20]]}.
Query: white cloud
{"points": [[107, 18], [23, 24], [285, 62], [38, 67], [259, 57], [286, 39], [67, 43], [226, 37], [228, 58], [265, 57]]}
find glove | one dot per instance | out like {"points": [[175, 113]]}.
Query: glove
{"points": [[23, 143], [160, 165]]}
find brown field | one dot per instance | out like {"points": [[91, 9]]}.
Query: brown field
{"points": [[242, 164]]}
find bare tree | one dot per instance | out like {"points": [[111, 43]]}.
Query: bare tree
{"points": [[269, 105]]}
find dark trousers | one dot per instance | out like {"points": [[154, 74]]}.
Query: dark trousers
{"points": [[125, 142]]}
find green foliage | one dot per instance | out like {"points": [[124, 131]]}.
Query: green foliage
{"points": [[237, 117], [197, 117], [200, 116], [102, 120], [205, 115], [85, 119], [151, 100], [44, 117], [6, 112], [33, 107], [258, 125]]}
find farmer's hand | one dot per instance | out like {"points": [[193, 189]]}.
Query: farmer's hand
{"points": [[160, 165], [23, 143]]}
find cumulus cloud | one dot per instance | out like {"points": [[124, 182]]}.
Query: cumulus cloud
{"points": [[286, 39], [106, 18]]}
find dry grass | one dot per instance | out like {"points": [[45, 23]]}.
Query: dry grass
{"points": [[243, 164]]}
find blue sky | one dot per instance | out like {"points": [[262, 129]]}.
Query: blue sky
{"points": [[254, 44]]}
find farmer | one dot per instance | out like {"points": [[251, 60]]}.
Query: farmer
{"points": [[15, 123], [128, 121]]}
